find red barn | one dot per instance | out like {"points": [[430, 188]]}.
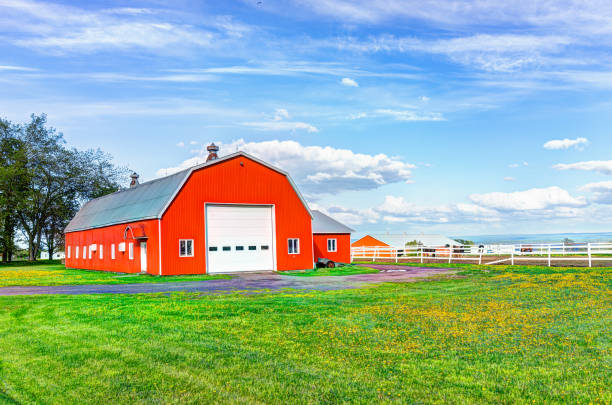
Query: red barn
{"points": [[230, 214], [331, 239]]}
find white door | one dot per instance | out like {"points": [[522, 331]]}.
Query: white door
{"points": [[143, 257], [239, 238]]}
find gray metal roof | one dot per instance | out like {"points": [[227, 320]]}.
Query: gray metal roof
{"points": [[322, 223], [145, 201], [148, 200]]}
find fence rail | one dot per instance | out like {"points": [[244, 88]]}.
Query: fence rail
{"points": [[551, 252]]}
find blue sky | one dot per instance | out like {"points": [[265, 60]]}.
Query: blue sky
{"points": [[419, 116]]}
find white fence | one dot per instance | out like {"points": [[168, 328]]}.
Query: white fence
{"points": [[586, 252]]}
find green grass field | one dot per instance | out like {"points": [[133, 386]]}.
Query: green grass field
{"points": [[53, 273], [502, 336], [346, 270]]}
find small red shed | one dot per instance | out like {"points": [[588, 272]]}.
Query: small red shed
{"points": [[230, 214], [331, 239]]}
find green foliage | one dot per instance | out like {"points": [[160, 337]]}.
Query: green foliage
{"points": [[464, 242], [413, 243], [488, 338], [48, 182]]}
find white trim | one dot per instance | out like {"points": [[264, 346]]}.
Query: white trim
{"points": [[112, 251], [335, 245], [131, 250], [192, 248], [76, 251], [101, 252], [295, 244], [68, 252]]}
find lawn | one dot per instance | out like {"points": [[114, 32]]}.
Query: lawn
{"points": [[51, 272], [345, 270], [497, 337]]}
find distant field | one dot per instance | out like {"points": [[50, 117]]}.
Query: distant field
{"points": [[505, 335], [51, 272]]}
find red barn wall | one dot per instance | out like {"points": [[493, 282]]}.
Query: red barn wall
{"points": [[232, 183], [114, 234], [343, 247]]}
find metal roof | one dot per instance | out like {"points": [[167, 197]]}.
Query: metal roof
{"points": [[400, 240], [322, 223], [148, 200]]}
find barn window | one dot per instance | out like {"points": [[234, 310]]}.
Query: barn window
{"points": [[84, 252], [113, 251], [68, 252], [101, 248], [227, 248], [239, 247], [294, 246], [186, 248], [265, 247], [331, 245], [131, 251], [252, 247], [76, 251], [212, 249], [90, 253]]}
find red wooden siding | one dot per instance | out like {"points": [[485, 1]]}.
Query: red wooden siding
{"points": [[235, 181], [343, 247], [368, 241], [107, 236]]}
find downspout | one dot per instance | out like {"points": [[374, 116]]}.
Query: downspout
{"points": [[159, 244]]}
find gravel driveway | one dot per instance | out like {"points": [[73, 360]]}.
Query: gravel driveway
{"points": [[253, 282]]}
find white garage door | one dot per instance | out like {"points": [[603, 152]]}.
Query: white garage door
{"points": [[239, 238]]}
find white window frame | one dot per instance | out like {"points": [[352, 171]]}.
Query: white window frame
{"points": [[89, 252], [76, 251], [101, 249], [68, 255], [131, 251], [85, 252], [335, 243], [187, 241], [112, 251], [295, 250]]}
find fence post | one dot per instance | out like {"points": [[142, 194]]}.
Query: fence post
{"points": [[480, 258], [512, 257], [589, 253], [548, 255], [421, 254], [396, 254], [450, 254], [374, 255]]}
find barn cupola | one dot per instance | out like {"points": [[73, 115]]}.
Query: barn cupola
{"points": [[134, 182], [212, 152]]}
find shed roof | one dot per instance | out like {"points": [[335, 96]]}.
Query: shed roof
{"points": [[322, 223], [148, 200]]}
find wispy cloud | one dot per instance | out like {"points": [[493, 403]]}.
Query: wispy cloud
{"points": [[601, 166], [566, 143], [410, 115]]}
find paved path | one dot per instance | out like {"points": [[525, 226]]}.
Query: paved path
{"points": [[243, 282]]}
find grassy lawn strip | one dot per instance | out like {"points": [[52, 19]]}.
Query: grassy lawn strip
{"points": [[53, 273], [337, 271], [469, 268], [503, 337]]}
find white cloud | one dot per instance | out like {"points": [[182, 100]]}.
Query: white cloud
{"points": [[281, 114], [515, 165], [349, 82], [17, 68], [600, 166], [508, 178], [180, 144], [533, 199], [565, 143], [193, 142], [318, 169], [281, 126], [409, 115], [278, 123], [602, 191]]}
